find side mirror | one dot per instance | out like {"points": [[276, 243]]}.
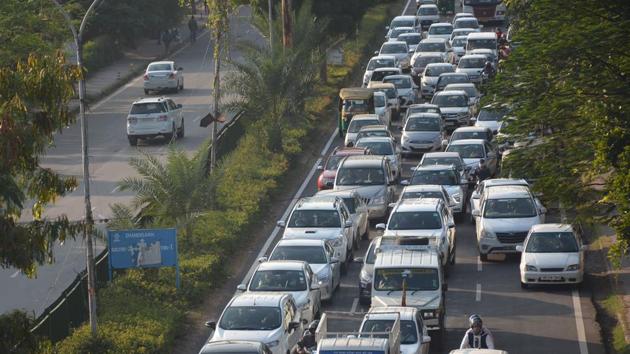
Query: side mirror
{"points": [[519, 248], [358, 260], [380, 226], [241, 287], [426, 339], [320, 167], [543, 210], [281, 223], [179, 106], [391, 205], [262, 259], [387, 28], [450, 223], [211, 324], [293, 326], [180, 69], [474, 195], [334, 260], [444, 143], [404, 182], [348, 223], [376, 52], [584, 248], [476, 213]]}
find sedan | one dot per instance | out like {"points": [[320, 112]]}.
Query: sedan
{"points": [[398, 49], [163, 75], [357, 208], [422, 132], [383, 146], [474, 150], [551, 254]]}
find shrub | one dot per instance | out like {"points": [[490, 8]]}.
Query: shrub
{"points": [[100, 52]]}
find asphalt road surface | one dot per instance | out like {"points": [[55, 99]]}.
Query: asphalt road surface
{"points": [[554, 320], [109, 153]]}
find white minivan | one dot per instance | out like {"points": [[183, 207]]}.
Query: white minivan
{"points": [[482, 40]]}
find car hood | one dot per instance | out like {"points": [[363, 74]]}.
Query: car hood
{"points": [[365, 191], [511, 224], [422, 136], [550, 260], [404, 91], [259, 336], [420, 233], [315, 233], [421, 299], [453, 109]]}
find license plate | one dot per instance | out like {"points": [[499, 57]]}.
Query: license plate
{"points": [[551, 278]]}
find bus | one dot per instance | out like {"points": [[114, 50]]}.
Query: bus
{"points": [[485, 10]]}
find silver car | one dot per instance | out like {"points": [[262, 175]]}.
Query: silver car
{"points": [[357, 208], [163, 75], [398, 49], [380, 61], [422, 132], [384, 146], [473, 66], [320, 256], [473, 150], [359, 121], [430, 76], [440, 30], [381, 108], [428, 14], [444, 175], [412, 39], [455, 107]]}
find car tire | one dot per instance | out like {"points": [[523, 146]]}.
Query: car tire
{"points": [[146, 92], [483, 257], [453, 257], [133, 141], [180, 131], [171, 136], [524, 285], [181, 87]]}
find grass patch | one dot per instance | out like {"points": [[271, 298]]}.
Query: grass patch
{"points": [[613, 305]]}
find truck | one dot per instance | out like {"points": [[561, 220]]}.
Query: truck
{"points": [[386, 342]]}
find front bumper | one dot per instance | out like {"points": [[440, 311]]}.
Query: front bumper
{"points": [[417, 148], [427, 90], [493, 245], [561, 277], [377, 211]]}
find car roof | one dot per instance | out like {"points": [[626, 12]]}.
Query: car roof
{"points": [[151, 99], [471, 129], [423, 188], [258, 299], [383, 56], [348, 150], [504, 181], [439, 24], [374, 127], [482, 35], [424, 115], [376, 139], [344, 193], [458, 85], [552, 228], [459, 37], [405, 17], [301, 242], [380, 85], [440, 167], [281, 265], [452, 93], [419, 105], [417, 204], [406, 257], [438, 65], [405, 312], [454, 74], [162, 62], [398, 76], [394, 42], [429, 54], [410, 34], [481, 50], [473, 56], [428, 5], [468, 142], [441, 154], [404, 28], [466, 18], [499, 192], [363, 161], [231, 346], [433, 40], [317, 202], [387, 68], [368, 116]]}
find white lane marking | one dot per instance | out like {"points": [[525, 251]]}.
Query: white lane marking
{"points": [[479, 264], [579, 322], [355, 303], [197, 119], [330, 141], [15, 274], [478, 293], [115, 190], [406, 6]]}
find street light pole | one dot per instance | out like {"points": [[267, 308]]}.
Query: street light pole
{"points": [[88, 221], [270, 16]]}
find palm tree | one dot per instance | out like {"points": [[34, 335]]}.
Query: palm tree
{"points": [[174, 191]]}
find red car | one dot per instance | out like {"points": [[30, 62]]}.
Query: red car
{"points": [[329, 169]]}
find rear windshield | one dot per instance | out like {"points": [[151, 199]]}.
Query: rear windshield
{"points": [[411, 40], [438, 69], [159, 67], [377, 147], [147, 108], [490, 115], [412, 110], [469, 151], [381, 63], [398, 31], [423, 61], [459, 42], [428, 11], [315, 218], [443, 177], [482, 43], [469, 135], [368, 176], [468, 63], [333, 162], [380, 75], [402, 23], [399, 82], [467, 23], [393, 48], [450, 100], [356, 125], [379, 101], [423, 124], [309, 254], [452, 79], [442, 161], [422, 194], [431, 47], [415, 220]]}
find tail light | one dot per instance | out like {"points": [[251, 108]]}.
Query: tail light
{"points": [[163, 118], [171, 76], [146, 77]]}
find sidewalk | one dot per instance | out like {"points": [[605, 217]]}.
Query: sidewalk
{"points": [[133, 62]]}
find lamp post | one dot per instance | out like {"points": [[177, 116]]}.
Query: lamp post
{"points": [[88, 219]]}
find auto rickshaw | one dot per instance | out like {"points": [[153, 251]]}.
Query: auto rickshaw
{"points": [[353, 101]]}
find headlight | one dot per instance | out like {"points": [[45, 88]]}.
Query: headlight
{"points": [[488, 234], [404, 139], [427, 314], [573, 267], [365, 277], [378, 200], [323, 276], [530, 268], [275, 343], [456, 197], [337, 242]]}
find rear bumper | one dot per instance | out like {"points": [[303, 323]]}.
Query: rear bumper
{"points": [[572, 277], [161, 85]]}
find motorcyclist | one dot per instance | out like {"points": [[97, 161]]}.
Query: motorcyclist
{"points": [[477, 336], [482, 172], [308, 337], [299, 348], [488, 69]]}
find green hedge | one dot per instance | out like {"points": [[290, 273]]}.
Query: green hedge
{"points": [[100, 52], [141, 311]]}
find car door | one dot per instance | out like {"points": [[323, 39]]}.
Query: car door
{"points": [[422, 333], [491, 158], [290, 337], [336, 267], [450, 231], [314, 294], [390, 180], [362, 212], [349, 232]]}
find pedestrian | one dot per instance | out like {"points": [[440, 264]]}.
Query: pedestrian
{"points": [[192, 26], [167, 38], [206, 8]]}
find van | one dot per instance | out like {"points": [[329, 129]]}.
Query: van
{"points": [[485, 40]]}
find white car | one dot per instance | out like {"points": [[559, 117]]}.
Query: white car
{"points": [[455, 107], [428, 14], [440, 30], [379, 61], [293, 277], [403, 21], [163, 75], [152, 117], [393, 34], [381, 108], [412, 39], [359, 121], [319, 255], [269, 318], [323, 218], [459, 47], [379, 74], [473, 66], [400, 50], [447, 176], [473, 150], [490, 118], [426, 191], [407, 90], [461, 15], [474, 96], [434, 45], [475, 196], [357, 208], [430, 76], [551, 254], [466, 22], [504, 218], [414, 336], [462, 32], [383, 146]]}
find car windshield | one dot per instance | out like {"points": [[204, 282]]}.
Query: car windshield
{"points": [[250, 318], [389, 92], [315, 218], [442, 177], [490, 115], [431, 47], [482, 43], [452, 79], [440, 29], [278, 280], [377, 147], [468, 151], [466, 23], [551, 242], [371, 133], [417, 279], [414, 220], [423, 61], [470, 63], [393, 48], [379, 101], [355, 105], [402, 23], [509, 208], [159, 67], [427, 161], [398, 31], [411, 40], [422, 194], [333, 162], [360, 176], [459, 42], [147, 108], [381, 63], [422, 124], [470, 90], [428, 11], [450, 100], [357, 124], [350, 203], [309, 254], [408, 331], [468, 135], [437, 70], [399, 82], [412, 110], [380, 75]]}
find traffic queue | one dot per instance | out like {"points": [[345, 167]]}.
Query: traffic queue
{"points": [[419, 98]]}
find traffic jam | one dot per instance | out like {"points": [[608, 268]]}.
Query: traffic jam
{"points": [[419, 160]]}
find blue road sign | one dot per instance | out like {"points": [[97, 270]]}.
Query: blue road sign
{"points": [[143, 249]]}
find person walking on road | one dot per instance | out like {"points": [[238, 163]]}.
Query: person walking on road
{"points": [[192, 26]]}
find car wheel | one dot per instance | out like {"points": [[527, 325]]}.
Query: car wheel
{"points": [[524, 285], [180, 132], [181, 87], [133, 141], [171, 136], [453, 256], [483, 257]]}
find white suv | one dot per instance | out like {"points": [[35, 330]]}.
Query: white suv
{"points": [[505, 216], [152, 117]]}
